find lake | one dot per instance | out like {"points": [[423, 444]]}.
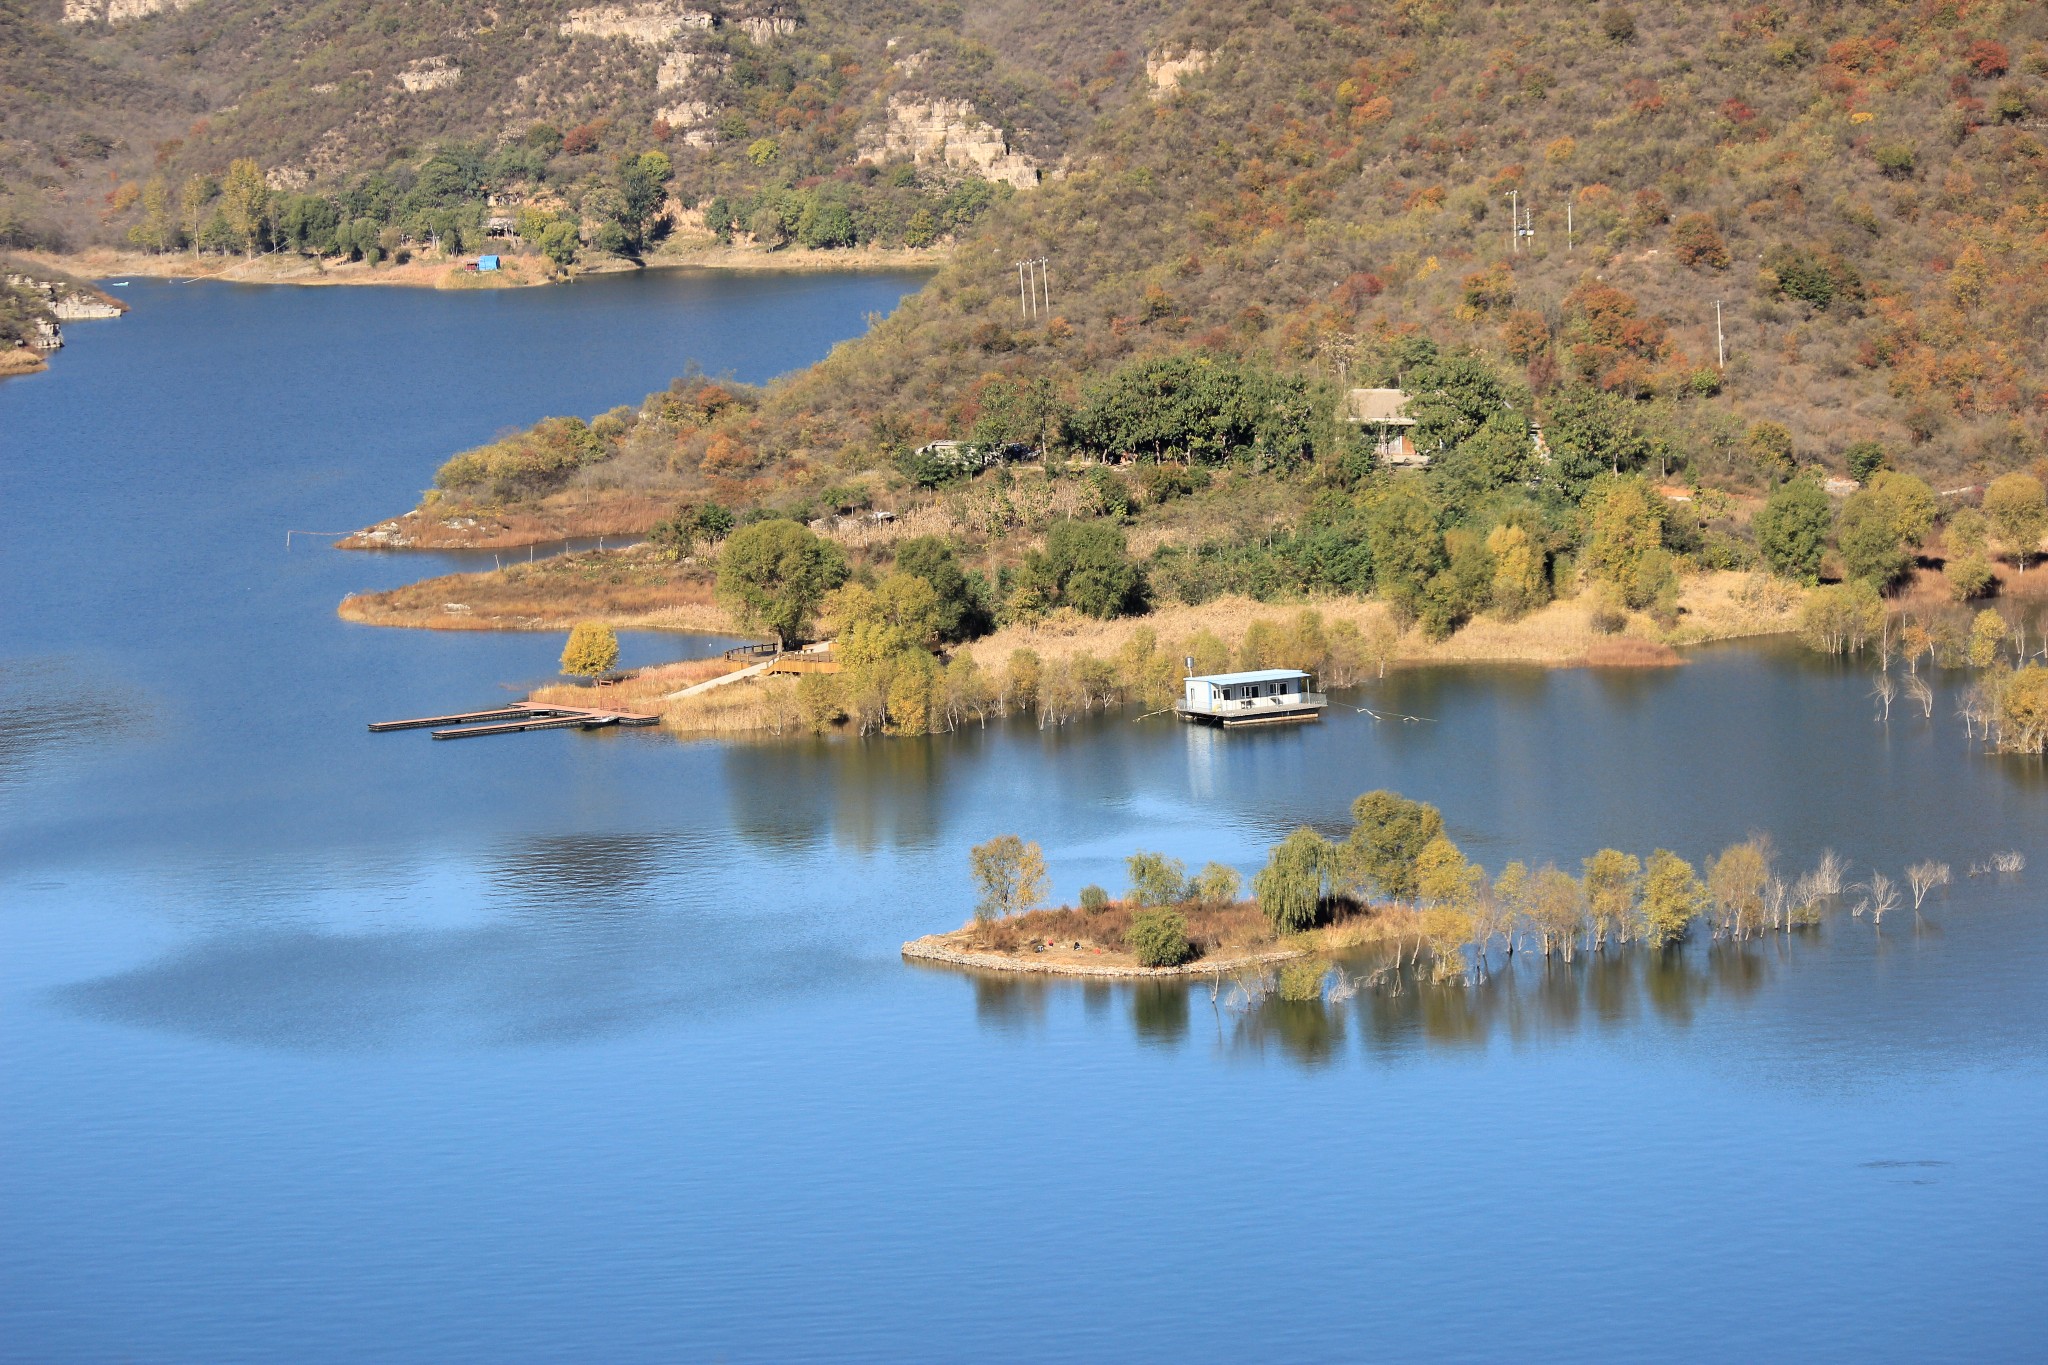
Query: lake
{"points": [[326, 1046]]}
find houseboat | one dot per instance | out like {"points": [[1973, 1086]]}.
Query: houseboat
{"points": [[1267, 696]]}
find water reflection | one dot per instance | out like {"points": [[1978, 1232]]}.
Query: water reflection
{"points": [[1397, 1010]]}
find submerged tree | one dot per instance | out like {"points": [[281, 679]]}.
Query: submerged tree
{"points": [[1611, 882], [1673, 897]]}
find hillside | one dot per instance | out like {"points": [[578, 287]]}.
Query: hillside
{"points": [[410, 108], [1862, 191]]}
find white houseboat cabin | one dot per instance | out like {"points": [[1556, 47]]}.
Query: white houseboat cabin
{"points": [[1261, 697]]}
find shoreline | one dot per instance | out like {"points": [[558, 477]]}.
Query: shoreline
{"points": [[937, 948], [518, 272]]}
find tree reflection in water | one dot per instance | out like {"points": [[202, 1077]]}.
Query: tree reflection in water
{"points": [[1524, 1000]]}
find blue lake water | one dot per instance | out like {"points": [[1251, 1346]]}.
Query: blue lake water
{"points": [[317, 1045]]}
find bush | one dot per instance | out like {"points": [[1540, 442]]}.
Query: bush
{"points": [[1094, 898], [1969, 578], [1159, 938]]}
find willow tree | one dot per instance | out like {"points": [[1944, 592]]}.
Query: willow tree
{"points": [[1296, 882]]}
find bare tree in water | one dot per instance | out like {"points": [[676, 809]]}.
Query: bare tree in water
{"points": [[1886, 691], [1920, 694], [1881, 895], [1923, 878]]}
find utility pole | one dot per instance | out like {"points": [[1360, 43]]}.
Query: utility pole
{"points": [[1567, 222], [1045, 284], [1023, 306], [1720, 342], [1514, 220]]}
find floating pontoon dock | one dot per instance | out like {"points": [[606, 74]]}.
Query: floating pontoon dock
{"points": [[510, 720]]}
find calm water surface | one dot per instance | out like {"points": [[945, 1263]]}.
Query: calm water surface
{"points": [[324, 1046]]}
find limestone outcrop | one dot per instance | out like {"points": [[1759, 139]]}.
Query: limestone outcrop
{"points": [[948, 134], [429, 73], [652, 24], [117, 11], [1164, 73]]}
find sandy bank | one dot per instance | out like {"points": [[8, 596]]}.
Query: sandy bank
{"points": [[516, 271], [948, 949]]}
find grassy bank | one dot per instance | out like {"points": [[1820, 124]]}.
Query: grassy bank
{"points": [[630, 588], [1068, 666], [1712, 606], [569, 516]]}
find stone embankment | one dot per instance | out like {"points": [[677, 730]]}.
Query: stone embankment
{"points": [[944, 948]]}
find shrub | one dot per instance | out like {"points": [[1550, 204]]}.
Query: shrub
{"points": [[1865, 459], [1618, 23], [1698, 243], [1969, 578], [1159, 938], [1895, 159], [1094, 897]]}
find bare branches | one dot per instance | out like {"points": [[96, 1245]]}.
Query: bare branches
{"points": [[1881, 896], [1920, 694], [1886, 691], [1923, 878]]}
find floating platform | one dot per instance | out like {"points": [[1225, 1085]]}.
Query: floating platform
{"points": [[511, 720], [1300, 708]]}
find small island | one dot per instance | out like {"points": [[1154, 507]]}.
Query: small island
{"points": [[1396, 882]]}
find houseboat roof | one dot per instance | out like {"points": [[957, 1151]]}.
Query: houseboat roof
{"points": [[1256, 676]]}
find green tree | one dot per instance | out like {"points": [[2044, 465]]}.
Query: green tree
{"points": [[1011, 875], [1453, 397], [962, 615], [1625, 540], [1865, 458], [774, 575], [1156, 879], [2017, 510], [1084, 566], [1445, 878], [1388, 834], [1880, 526], [1407, 546], [1792, 529], [592, 650], [1590, 433], [245, 202], [878, 625], [1159, 938], [559, 242], [157, 230], [1988, 631], [1673, 898], [1770, 449], [1296, 882], [1840, 617], [1520, 583], [1216, 884]]}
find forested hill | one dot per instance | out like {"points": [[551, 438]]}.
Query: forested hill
{"points": [[540, 101], [1862, 188], [1311, 187]]}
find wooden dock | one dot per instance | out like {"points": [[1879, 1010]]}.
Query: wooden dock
{"points": [[511, 720]]}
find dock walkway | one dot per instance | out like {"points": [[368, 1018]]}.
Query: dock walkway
{"points": [[511, 720]]}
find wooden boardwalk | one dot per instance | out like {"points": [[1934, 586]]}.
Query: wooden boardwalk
{"points": [[511, 720]]}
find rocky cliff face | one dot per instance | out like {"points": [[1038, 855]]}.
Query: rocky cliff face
{"points": [[942, 133], [1164, 73], [117, 11]]}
